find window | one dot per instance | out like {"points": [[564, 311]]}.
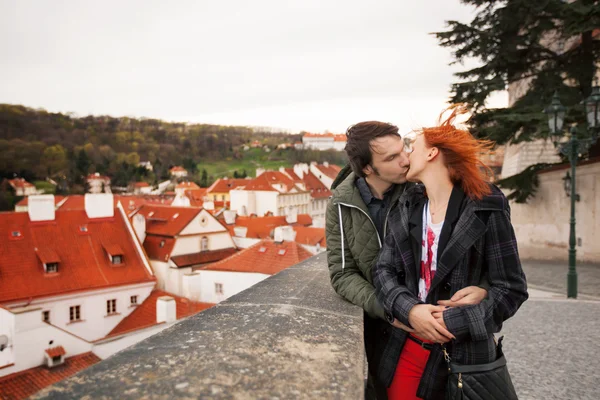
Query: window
{"points": [[111, 306], [134, 300], [223, 197], [52, 267], [204, 243], [75, 313], [117, 259], [83, 228], [46, 316], [215, 197], [218, 288]]}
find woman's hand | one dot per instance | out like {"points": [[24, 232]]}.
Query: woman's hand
{"points": [[465, 297], [398, 324], [426, 326]]}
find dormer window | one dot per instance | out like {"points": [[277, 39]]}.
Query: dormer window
{"points": [[51, 267], [16, 234], [83, 229], [262, 250], [49, 259], [55, 356], [115, 253]]}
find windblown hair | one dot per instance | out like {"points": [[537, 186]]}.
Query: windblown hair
{"points": [[461, 153]]}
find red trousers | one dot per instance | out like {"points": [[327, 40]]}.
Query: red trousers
{"points": [[408, 372]]}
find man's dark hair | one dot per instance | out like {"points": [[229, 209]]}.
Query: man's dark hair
{"points": [[358, 144]]}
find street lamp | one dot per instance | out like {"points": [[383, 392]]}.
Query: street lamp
{"points": [[572, 148]]}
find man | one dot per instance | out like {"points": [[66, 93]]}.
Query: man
{"points": [[363, 195]]}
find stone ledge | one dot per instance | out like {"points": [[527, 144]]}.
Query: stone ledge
{"points": [[288, 337]]}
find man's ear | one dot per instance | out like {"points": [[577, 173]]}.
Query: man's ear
{"points": [[368, 170]]}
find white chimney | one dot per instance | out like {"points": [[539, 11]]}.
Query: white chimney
{"points": [[259, 171], [291, 216], [181, 200], [278, 234], [289, 234], [166, 309], [325, 164], [208, 205], [99, 205], [139, 226], [41, 207], [229, 216]]}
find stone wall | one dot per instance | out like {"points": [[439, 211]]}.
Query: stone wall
{"points": [[288, 337], [542, 225]]}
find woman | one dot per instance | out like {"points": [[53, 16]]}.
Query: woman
{"points": [[445, 235]]}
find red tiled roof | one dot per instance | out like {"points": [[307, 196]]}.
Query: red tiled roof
{"points": [[196, 196], [25, 200], [318, 135], [19, 183], [225, 185], [266, 180], [261, 227], [167, 220], [56, 351], [144, 316], [290, 172], [77, 202], [47, 255], [154, 250], [317, 189], [187, 185], [83, 262], [141, 184], [331, 171], [97, 176], [203, 257], [340, 138], [178, 169], [23, 384], [310, 236], [265, 257]]}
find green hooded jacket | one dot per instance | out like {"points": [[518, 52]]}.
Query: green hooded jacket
{"points": [[353, 243]]}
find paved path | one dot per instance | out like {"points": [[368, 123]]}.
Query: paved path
{"points": [[552, 276], [553, 348]]}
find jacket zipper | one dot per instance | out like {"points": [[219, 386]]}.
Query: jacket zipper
{"points": [[369, 217]]}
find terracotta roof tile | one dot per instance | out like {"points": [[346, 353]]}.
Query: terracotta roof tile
{"points": [[47, 255], [265, 257], [225, 185], [203, 257], [56, 351], [331, 170], [141, 184], [187, 186], [144, 315], [317, 189], [310, 236], [262, 227], [23, 384], [196, 196], [158, 247], [82, 265], [97, 177], [177, 169], [166, 220], [19, 183]]}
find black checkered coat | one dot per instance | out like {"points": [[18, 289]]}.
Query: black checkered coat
{"points": [[477, 239]]}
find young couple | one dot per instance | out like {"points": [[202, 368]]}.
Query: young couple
{"points": [[431, 264]]}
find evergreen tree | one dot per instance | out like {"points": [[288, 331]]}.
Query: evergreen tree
{"points": [[546, 46], [204, 179]]}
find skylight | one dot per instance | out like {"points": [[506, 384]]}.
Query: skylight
{"points": [[262, 250]]}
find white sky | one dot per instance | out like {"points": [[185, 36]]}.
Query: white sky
{"points": [[310, 65]]}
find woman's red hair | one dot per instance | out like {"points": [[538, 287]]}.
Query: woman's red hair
{"points": [[461, 153]]}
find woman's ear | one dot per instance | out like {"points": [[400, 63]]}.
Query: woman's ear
{"points": [[432, 153]]}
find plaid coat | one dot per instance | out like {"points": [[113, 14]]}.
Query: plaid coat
{"points": [[477, 239]]}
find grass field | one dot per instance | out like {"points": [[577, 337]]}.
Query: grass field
{"points": [[252, 159]]}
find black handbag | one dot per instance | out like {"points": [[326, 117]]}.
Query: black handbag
{"points": [[480, 381]]}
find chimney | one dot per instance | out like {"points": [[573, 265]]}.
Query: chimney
{"points": [[325, 164], [291, 216], [289, 234], [166, 309], [229, 216], [278, 234], [99, 205], [259, 171], [139, 226], [41, 208]]}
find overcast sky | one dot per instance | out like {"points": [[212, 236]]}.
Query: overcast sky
{"points": [[311, 65]]}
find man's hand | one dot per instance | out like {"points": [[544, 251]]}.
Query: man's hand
{"points": [[426, 326], [398, 324], [439, 317], [465, 297]]}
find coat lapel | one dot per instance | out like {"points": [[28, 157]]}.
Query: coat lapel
{"points": [[461, 237], [415, 225]]}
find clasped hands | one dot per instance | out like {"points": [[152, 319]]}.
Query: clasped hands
{"points": [[427, 320]]}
